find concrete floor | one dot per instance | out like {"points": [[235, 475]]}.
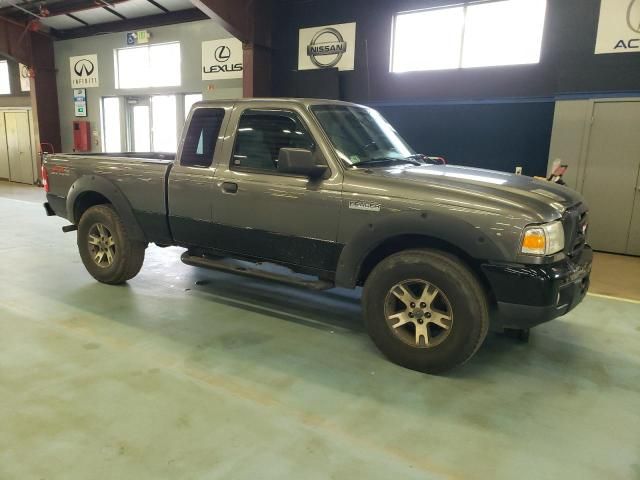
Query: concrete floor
{"points": [[191, 374]]}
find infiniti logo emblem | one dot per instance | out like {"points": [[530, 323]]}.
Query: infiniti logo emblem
{"points": [[83, 67], [222, 53], [328, 42], [633, 15]]}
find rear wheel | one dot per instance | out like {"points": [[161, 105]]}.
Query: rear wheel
{"points": [[425, 310], [107, 251]]}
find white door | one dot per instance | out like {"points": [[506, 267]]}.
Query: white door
{"points": [[19, 147], [611, 185], [4, 155]]}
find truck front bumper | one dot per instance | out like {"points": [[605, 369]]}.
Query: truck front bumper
{"points": [[527, 295]]}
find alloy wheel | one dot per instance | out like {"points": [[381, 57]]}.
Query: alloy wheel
{"points": [[102, 245], [418, 313]]}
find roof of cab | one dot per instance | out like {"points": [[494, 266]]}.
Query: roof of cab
{"points": [[297, 101]]}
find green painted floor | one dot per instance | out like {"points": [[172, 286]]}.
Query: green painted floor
{"points": [[191, 374]]}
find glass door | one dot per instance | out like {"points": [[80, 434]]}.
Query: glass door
{"points": [[153, 124], [139, 124]]}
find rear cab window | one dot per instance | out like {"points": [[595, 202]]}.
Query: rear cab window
{"points": [[201, 137]]}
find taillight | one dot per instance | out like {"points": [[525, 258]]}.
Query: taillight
{"points": [[45, 179]]}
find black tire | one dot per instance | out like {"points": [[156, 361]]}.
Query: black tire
{"points": [[127, 255], [463, 294]]}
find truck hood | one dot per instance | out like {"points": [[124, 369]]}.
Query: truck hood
{"points": [[486, 187]]}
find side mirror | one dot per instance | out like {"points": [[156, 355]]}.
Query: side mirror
{"points": [[299, 161]]}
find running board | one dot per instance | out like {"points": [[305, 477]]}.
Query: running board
{"points": [[226, 265]]}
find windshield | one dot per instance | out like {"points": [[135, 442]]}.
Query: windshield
{"points": [[361, 135]]}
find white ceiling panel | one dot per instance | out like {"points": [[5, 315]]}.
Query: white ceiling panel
{"points": [[175, 5], [96, 15], [136, 8], [61, 22]]}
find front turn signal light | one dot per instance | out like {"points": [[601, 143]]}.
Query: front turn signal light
{"points": [[544, 239]]}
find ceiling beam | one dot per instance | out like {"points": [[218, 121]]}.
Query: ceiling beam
{"points": [[57, 8], [180, 16]]}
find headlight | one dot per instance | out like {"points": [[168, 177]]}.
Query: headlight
{"points": [[544, 239]]}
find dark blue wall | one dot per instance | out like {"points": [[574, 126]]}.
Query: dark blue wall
{"points": [[499, 136], [514, 131]]}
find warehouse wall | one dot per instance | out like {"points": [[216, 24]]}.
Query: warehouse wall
{"points": [[453, 103], [190, 36]]}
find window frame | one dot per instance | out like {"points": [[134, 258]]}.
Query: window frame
{"points": [[465, 4], [275, 172]]}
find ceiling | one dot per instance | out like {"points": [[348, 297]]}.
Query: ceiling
{"points": [[72, 15]]}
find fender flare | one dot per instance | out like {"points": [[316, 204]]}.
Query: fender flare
{"points": [[93, 183], [439, 226]]}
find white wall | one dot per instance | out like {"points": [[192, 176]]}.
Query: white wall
{"points": [[190, 35]]}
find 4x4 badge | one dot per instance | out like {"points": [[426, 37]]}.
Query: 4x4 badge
{"points": [[360, 205]]}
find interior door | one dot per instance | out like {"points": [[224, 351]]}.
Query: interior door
{"points": [[261, 213], [4, 155], [19, 147], [611, 177]]}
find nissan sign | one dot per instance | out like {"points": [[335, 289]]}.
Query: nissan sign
{"points": [[330, 46]]}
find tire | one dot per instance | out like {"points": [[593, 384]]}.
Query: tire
{"points": [[454, 298], [120, 258]]}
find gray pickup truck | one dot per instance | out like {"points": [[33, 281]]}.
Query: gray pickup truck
{"points": [[330, 191]]}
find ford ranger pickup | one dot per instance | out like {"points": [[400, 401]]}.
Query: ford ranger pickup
{"points": [[330, 191]]}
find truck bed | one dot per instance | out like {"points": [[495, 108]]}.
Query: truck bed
{"points": [[139, 179]]}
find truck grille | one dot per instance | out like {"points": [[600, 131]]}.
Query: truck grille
{"points": [[575, 221]]}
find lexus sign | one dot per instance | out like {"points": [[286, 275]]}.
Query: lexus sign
{"points": [[619, 27], [330, 46], [84, 71], [222, 59]]}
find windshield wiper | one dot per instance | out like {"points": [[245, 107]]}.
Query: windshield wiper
{"points": [[382, 161]]}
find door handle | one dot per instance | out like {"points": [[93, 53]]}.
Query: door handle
{"points": [[229, 187]]}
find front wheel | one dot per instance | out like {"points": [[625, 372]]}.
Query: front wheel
{"points": [[425, 310], [107, 251]]}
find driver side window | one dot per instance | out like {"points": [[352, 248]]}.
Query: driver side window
{"points": [[262, 133]]}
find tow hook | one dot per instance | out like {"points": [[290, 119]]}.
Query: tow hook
{"points": [[69, 228]]}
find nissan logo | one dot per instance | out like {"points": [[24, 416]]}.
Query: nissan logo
{"points": [[222, 53], [83, 67], [328, 42], [633, 15]]}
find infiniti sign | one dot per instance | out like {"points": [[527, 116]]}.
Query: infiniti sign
{"points": [[84, 71], [84, 67]]}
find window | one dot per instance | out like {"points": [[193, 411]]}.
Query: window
{"points": [[111, 124], [164, 123], [200, 141], [141, 129], [361, 134], [189, 100], [505, 32], [148, 66], [261, 135], [5, 82]]}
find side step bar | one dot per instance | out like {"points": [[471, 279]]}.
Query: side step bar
{"points": [[226, 265]]}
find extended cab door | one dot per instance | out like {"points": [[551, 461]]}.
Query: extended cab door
{"points": [[191, 180], [262, 213]]}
